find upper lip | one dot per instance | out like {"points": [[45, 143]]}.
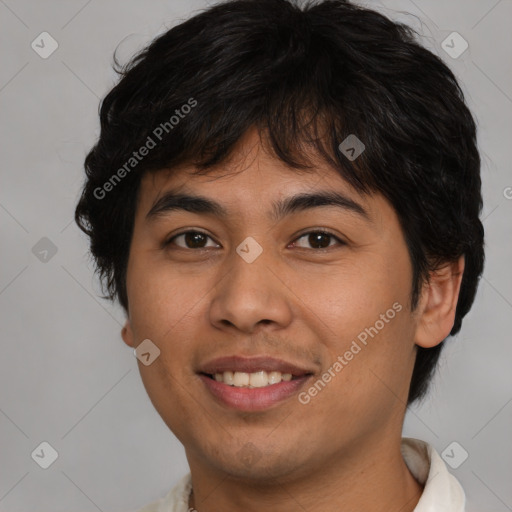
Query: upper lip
{"points": [[251, 365]]}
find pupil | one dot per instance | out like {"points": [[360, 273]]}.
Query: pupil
{"points": [[191, 239], [316, 237]]}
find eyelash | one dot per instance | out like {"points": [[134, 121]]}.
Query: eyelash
{"points": [[317, 231]]}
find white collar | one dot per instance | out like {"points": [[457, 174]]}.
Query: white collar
{"points": [[442, 492]]}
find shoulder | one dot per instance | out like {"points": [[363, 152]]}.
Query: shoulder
{"points": [[442, 491], [176, 500]]}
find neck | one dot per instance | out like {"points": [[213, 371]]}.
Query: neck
{"points": [[372, 478]]}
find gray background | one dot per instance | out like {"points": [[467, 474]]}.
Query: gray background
{"points": [[67, 378]]}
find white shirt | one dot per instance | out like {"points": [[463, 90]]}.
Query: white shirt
{"points": [[442, 492]]}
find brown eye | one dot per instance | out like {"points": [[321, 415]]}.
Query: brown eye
{"points": [[319, 239], [190, 239]]}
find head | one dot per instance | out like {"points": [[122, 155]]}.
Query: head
{"points": [[248, 104]]}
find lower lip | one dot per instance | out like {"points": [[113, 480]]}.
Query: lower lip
{"points": [[253, 399]]}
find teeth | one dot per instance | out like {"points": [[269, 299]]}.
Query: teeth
{"points": [[252, 380]]}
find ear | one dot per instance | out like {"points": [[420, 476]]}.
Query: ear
{"points": [[127, 334], [437, 304]]}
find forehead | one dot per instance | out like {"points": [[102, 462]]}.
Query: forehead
{"points": [[251, 176]]}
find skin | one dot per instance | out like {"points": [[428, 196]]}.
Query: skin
{"points": [[297, 302]]}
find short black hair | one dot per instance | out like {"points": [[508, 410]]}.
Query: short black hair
{"points": [[307, 77]]}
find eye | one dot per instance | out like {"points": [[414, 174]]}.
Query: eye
{"points": [[191, 239], [196, 239], [317, 239]]}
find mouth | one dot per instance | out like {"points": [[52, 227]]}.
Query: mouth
{"points": [[253, 399], [252, 384], [259, 379]]}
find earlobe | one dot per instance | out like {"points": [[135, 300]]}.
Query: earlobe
{"points": [[438, 303], [127, 333]]}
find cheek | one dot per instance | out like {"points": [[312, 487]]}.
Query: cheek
{"points": [[162, 298], [348, 300], [364, 319]]}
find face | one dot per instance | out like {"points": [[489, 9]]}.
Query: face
{"points": [[321, 291]]}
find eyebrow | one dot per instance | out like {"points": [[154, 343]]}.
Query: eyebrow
{"points": [[174, 201]]}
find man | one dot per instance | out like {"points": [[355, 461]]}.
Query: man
{"points": [[286, 203]]}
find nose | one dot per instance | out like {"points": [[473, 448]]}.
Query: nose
{"points": [[252, 294]]}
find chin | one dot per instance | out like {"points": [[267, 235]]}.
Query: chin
{"points": [[250, 464]]}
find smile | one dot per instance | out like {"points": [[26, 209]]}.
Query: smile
{"points": [[257, 379], [253, 398]]}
